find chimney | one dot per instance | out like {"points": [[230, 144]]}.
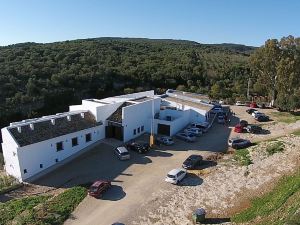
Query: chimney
{"points": [[82, 115], [31, 126], [53, 121], [19, 129], [69, 118]]}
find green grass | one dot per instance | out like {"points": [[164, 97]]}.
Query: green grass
{"points": [[243, 157], [7, 182], [275, 147], [42, 210], [56, 210], [277, 207], [286, 117], [12, 208], [297, 132]]}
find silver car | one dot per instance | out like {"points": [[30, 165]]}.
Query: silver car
{"points": [[188, 137], [122, 153], [175, 176], [194, 130]]}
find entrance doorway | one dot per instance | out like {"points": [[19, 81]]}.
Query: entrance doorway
{"points": [[114, 130], [163, 129]]}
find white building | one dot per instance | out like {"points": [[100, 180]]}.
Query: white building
{"points": [[34, 147]]}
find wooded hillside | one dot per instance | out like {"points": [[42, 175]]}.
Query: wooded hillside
{"points": [[39, 79]]}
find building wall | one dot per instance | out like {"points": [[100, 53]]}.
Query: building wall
{"points": [[45, 152], [138, 115], [10, 154]]}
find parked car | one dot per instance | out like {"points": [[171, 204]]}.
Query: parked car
{"points": [[237, 143], [239, 103], [192, 161], [254, 129], [256, 114], [238, 128], [188, 137], [194, 130], [253, 105], [261, 105], [217, 109], [122, 153], [243, 123], [262, 118], [221, 119], [204, 126], [98, 188], [164, 140], [175, 176], [250, 111], [138, 147]]}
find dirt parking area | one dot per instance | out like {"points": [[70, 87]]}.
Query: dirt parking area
{"points": [[139, 194]]}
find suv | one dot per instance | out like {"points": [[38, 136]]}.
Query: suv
{"points": [[262, 118], [122, 153], [164, 140], [254, 129], [192, 161], [98, 187], [237, 143], [188, 137], [138, 147], [175, 175], [250, 111]]}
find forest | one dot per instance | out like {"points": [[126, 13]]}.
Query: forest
{"points": [[41, 79]]}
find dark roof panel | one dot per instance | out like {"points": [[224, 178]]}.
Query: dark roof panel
{"points": [[46, 130]]}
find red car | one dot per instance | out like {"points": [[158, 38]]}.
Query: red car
{"points": [[98, 187], [253, 105], [238, 128]]}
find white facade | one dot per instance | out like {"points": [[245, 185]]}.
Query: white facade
{"points": [[134, 116]]}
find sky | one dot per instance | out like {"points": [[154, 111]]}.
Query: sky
{"points": [[249, 22]]}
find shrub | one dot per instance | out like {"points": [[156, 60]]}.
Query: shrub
{"points": [[275, 147], [7, 182], [243, 157]]}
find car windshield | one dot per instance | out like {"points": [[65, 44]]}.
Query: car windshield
{"points": [[170, 176], [93, 189], [124, 153]]}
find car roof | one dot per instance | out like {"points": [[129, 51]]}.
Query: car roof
{"points": [[98, 183], [175, 171], [194, 156], [122, 149]]}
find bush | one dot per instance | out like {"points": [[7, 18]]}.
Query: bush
{"points": [[12, 208], [243, 157], [275, 147], [7, 182]]}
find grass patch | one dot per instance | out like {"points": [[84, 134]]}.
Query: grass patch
{"points": [[10, 209], [7, 183], [1, 160], [297, 132], [275, 147], [243, 157], [286, 117], [281, 205], [56, 210]]}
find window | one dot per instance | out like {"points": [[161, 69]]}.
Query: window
{"points": [[134, 132], [88, 137], [59, 146], [74, 141], [139, 130], [142, 128], [25, 171], [41, 166], [56, 160]]}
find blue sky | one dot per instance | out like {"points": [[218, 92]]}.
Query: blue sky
{"points": [[248, 22]]}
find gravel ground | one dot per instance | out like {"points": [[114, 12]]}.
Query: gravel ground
{"points": [[223, 189]]}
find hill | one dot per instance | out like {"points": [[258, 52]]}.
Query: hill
{"points": [[37, 79]]}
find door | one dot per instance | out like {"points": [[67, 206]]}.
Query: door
{"points": [[163, 129]]}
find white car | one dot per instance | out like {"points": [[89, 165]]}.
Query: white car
{"points": [[204, 126], [165, 140], [188, 137], [122, 153], [194, 130], [255, 114], [175, 176], [239, 103]]}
